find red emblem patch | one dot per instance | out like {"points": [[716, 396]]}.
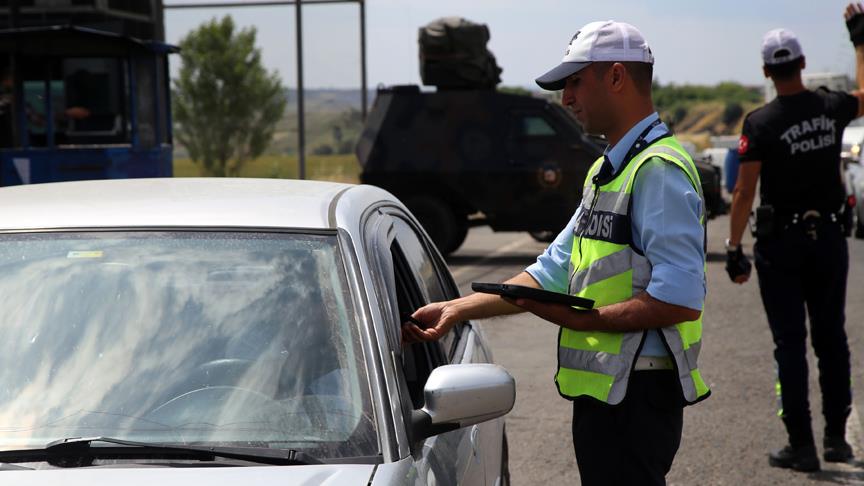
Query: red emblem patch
{"points": [[743, 143]]}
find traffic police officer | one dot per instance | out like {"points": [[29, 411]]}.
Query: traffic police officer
{"points": [[636, 246], [793, 144]]}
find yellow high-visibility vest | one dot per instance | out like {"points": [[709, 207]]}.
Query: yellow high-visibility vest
{"points": [[606, 268]]}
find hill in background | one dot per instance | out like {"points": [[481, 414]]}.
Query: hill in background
{"points": [[699, 112], [333, 123], [334, 120]]}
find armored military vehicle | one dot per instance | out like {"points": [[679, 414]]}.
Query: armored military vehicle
{"points": [[467, 155]]}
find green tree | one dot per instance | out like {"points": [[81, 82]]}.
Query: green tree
{"points": [[226, 105]]}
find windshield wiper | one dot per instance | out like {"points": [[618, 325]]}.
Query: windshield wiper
{"points": [[79, 452]]}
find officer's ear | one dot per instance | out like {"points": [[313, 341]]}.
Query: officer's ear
{"points": [[803, 62], [617, 75]]}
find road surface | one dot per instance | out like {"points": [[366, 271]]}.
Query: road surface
{"points": [[727, 437]]}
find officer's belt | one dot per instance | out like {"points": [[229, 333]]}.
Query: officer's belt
{"points": [[646, 363], [797, 217]]}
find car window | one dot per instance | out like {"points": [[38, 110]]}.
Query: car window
{"points": [[246, 339], [86, 100], [423, 269], [419, 260], [536, 126], [418, 359]]}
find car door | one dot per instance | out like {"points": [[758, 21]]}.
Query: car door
{"points": [[482, 449], [469, 346], [409, 273], [452, 457], [410, 279]]}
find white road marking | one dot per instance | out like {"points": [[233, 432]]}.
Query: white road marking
{"points": [[460, 272], [855, 433]]}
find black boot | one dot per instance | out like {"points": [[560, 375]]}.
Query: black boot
{"points": [[802, 458], [836, 449]]}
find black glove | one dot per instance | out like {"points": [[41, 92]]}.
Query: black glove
{"points": [[737, 264], [855, 24]]}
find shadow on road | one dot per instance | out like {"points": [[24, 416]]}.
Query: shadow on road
{"points": [[841, 477], [714, 257], [495, 261], [482, 260]]}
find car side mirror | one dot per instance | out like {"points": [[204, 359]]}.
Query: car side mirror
{"points": [[460, 395]]}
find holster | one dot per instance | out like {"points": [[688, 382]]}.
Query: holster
{"points": [[766, 222]]}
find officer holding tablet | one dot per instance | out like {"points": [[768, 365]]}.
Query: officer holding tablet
{"points": [[636, 247]]}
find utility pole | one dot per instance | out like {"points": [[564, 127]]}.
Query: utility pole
{"points": [[301, 122]]}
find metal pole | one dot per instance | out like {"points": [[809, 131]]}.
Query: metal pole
{"points": [[271, 3], [364, 90], [18, 128], [301, 125]]}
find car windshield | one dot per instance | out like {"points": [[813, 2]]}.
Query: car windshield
{"points": [[223, 338]]}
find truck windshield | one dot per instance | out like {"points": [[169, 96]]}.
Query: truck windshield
{"points": [[214, 338]]}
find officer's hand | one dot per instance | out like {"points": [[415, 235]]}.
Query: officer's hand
{"points": [[437, 319], [854, 16], [738, 266]]}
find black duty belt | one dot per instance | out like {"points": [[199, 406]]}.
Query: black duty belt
{"points": [[810, 221], [790, 218]]}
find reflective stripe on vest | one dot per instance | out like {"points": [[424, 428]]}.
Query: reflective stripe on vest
{"points": [[606, 268]]}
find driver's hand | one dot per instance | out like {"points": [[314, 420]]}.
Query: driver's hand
{"points": [[436, 320]]}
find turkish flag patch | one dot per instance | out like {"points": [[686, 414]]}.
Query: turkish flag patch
{"points": [[743, 144]]}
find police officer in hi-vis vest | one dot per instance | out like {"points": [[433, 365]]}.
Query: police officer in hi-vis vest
{"points": [[793, 144], [636, 246]]}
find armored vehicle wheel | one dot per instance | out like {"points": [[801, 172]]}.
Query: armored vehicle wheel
{"points": [[543, 236], [444, 226]]}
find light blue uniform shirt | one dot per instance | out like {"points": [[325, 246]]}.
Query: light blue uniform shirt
{"points": [[666, 228]]}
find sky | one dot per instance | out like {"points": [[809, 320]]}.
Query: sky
{"points": [[694, 42]]}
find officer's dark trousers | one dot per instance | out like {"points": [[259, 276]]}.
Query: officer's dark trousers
{"points": [[634, 442], [798, 274]]}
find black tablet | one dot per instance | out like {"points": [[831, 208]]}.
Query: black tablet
{"points": [[520, 291]]}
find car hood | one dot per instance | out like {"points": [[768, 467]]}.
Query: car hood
{"points": [[329, 475]]}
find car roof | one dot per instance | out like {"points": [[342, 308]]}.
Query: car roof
{"points": [[180, 202]]}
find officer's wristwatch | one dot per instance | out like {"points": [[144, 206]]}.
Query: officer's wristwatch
{"points": [[731, 247]]}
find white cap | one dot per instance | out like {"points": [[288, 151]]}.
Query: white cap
{"points": [[604, 41], [779, 46]]}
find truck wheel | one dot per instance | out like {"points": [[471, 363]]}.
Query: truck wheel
{"points": [[446, 229], [460, 234], [543, 236]]}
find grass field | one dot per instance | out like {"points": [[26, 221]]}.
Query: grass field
{"points": [[338, 168]]}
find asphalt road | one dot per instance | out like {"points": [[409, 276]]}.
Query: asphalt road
{"points": [[727, 437]]}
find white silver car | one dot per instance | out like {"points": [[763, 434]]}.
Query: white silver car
{"points": [[230, 331]]}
